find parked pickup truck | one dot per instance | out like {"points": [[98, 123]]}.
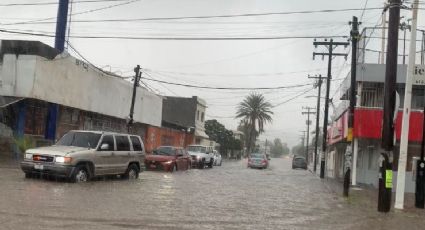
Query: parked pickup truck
{"points": [[81, 155], [201, 155]]}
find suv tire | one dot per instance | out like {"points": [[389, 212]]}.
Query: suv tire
{"points": [[132, 172], [210, 165], [201, 164], [80, 174]]}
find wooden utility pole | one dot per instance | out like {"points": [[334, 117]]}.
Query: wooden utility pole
{"points": [[354, 39], [387, 142], [137, 77], [308, 127], [331, 45], [318, 84]]}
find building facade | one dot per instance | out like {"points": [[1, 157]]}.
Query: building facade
{"points": [[368, 127], [33, 76], [187, 114]]}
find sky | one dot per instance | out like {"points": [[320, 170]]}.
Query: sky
{"points": [[214, 63]]}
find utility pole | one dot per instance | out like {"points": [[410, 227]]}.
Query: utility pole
{"points": [[308, 127], [53, 109], [303, 138], [318, 84], [354, 39], [137, 77], [331, 45], [387, 143], [420, 172], [383, 39], [61, 25], [404, 139]]}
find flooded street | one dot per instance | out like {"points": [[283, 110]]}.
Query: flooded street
{"points": [[227, 197]]}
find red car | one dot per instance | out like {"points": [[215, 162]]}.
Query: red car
{"points": [[168, 158]]}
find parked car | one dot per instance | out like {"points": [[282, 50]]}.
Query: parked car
{"points": [[168, 158], [82, 155], [258, 160], [201, 155], [217, 158], [299, 162]]}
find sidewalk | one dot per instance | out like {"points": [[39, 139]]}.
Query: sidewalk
{"points": [[366, 197]]}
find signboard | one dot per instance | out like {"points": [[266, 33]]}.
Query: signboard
{"points": [[350, 134], [419, 75], [388, 178]]}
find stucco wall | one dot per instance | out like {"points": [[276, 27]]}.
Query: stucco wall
{"points": [[71, 82]]}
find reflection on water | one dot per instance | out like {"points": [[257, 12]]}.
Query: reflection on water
{"points": [[227, 197]]}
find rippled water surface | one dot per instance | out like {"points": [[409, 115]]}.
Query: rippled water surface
{"points": [[227, 197]]}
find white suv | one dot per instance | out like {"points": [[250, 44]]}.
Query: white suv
{"points": [[201, 155], [81, 155]]}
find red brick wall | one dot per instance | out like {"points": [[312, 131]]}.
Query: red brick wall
{"points": [[156, 136]]}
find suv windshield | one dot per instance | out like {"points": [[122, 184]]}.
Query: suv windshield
{"points": [[167, 151], [80, 139], [198, 149]]}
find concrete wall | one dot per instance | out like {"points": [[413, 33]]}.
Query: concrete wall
{"points": [[68, 81], [368, 169]]}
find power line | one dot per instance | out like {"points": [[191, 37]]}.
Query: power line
{"points": [[236, 75], [55, 3], [226, 88], [78, 13], [174, 38], [292, 98], [221, 16]]}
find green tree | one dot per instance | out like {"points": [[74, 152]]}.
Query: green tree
{"points": [[218, 133], [277, 148], [255, 112]]}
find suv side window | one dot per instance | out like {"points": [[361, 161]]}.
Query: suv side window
{"points": [[122, 143], [108, 139], [137, 146]]}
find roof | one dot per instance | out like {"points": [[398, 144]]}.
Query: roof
{"points": [[101, 132]]}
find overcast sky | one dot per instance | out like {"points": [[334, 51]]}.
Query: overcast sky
{"points": [[247, 63]]}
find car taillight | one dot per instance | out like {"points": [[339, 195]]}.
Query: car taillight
{"points": [[263, 162]]}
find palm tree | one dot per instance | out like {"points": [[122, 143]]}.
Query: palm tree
{"points": [[255, 112]]}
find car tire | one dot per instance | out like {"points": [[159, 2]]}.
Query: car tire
{"points": [[173, 168], [28, 175], [80, 174], [220, 163], [201, 164], [132, 172], [210, 165]]}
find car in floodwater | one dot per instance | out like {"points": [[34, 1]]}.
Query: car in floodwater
{"points": [[201, 155], [217, 158], [82, 155], [258, 160], [168, 158], [299, 162]]}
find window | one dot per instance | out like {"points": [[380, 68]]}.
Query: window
{"points": [[166, 151], [202, 116], [137, 146], [80, 139], [108, 140], [197, 115], [122, 143]]}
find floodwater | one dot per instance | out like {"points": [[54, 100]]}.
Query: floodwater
{"points": [[225, 197]]}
